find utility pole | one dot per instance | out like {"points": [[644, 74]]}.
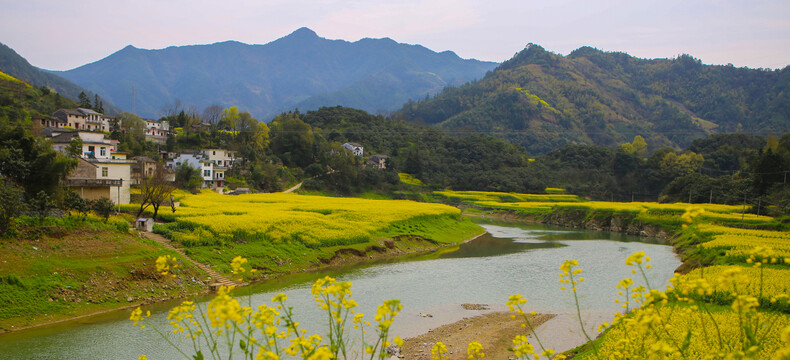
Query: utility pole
{"points": [[689, 196], [711, 197]]}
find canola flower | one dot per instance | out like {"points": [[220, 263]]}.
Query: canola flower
{"points": [[567, 272], [438, 350], [689, 327], [475, 351], [335, 298], [166, 264]]}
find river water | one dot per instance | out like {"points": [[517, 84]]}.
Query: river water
{"points": [[509, 259]]}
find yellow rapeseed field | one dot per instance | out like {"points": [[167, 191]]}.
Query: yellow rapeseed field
{"points": [[775, 281], [704, 337], [312, 219], [739, 241]]}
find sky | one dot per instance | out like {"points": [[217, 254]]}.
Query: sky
{"points": [[61, 35]]}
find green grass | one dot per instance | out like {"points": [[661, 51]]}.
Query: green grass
{"points": [[54, 269], [443, 229]]}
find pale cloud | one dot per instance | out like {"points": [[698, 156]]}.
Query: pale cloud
{"points": [[401, 19]]}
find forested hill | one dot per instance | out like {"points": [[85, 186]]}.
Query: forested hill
{"points": [[299, 70], [543, 100], [15, 65]]}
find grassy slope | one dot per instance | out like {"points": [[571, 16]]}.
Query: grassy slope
{"points": [[274, 258], [51, 273]]}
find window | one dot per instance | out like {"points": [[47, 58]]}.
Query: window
{"points": [[104, 171], [103, 151], [214, 152], [206, 173]]}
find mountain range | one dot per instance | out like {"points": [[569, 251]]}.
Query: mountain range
{"points": [[300, 70], [542, 100]]}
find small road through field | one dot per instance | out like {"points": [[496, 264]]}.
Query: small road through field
{"points": [[296, 187]]}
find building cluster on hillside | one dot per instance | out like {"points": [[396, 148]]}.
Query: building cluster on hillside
{"points": [[86, 119], [105, 172]]}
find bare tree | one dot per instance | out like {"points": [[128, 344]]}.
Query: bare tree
{"points": [[212, 114], [155, 190], [173, 109]]}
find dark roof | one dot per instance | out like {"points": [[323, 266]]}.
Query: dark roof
{"points": [[48, 131], [65, 137], [71, 112], [143, 159], [63, 114], [87, 111]]}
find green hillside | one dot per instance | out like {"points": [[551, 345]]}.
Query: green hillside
{"points": [[21, 101], [16, 66], [543, 100]]}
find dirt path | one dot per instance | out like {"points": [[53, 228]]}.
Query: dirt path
{"points": [[495, 331], [296, 187], [218, 280]]}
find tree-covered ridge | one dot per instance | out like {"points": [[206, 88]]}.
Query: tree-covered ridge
{"points": [[542, 100], [21, 101], [16, 66], [467, 162]]}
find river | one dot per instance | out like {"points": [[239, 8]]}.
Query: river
{"points": [[509, 259]]}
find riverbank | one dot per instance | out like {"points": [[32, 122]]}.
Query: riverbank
{"points": [[90, 272], [68, 274], [495, 331]]}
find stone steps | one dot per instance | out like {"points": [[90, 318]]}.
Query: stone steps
{"points": [[217, 279]]}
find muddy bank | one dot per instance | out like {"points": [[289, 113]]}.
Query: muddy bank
{"points": [[495, 331], [388, 248], [604, 221]]}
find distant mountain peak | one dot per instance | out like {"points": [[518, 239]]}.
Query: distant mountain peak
{"points": [[303, 33], [265, 79]]}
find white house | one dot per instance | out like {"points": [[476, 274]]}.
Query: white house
{"points": [[94, 145], [355, 148], [221, 157], [102, 171], [213, 174], [157, 131]]}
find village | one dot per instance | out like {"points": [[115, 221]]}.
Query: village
{"points": [[105, 172]]}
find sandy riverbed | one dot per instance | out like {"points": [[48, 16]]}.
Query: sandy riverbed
{"points": [[494, 331]]}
